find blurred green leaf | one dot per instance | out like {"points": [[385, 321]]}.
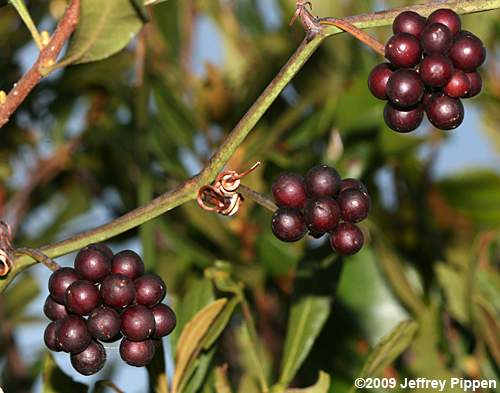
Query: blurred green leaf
{"points": [[321, 386], [489, 326], [20, 295], [454, 285], [55, 381]]}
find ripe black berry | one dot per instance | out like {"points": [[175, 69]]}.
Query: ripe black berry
{"points": [[354, 205], [409, 22], [137, 353], [447, 17], [149, 290], [128, 263], [403, 50], [353, 183], [436, 38], [403, 120], [165, 320], [82, 297], [436, 70], [322, 180], [103, 248], [60, 280], [49, 336], [444, 112], [72, 334], [346, 239], [138, 323], [377, 80], [117, 291], [405, 88], [468, 52], [104, 323], [54, 310], [289, 191], [93, 263], [458, 86], [322, 215], [90, 360], [476, 84], [288, 224]]}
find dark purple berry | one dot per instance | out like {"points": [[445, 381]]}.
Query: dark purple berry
{"points": [[50, 335], [405, 88], [90, 360], [436, 38], [117, 291], [60, 280], [138, 323], [436, 70], [150, 289], [104, 323], [289, 191], [128, 263], [377, 80], [403, 120], [54, 310], [403, 50], [82, 297], [447, 17], [137, 353], [444, 112], [288, 224], [92, 263], [353, 183], [322, 214], [104, 249], [346, 239], [409, 22], [72, 334], [476, 84], [468, 52], [322, 180], [458, 86], [354, 205], [165, 320]]}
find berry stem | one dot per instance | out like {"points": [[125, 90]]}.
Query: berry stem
{"points": [[38, 256], [257, 197]]}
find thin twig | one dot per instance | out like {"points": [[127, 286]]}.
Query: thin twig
{"points": [[262, 200], [38, 256]]}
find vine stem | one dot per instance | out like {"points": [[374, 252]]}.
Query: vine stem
{"points": [[187, 191]]}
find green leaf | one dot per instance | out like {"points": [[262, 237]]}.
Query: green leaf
{"points": [[153, 2], [321, 386], [55, 381], [489, 326], [307, 318], [105, 28], [23, 292]]}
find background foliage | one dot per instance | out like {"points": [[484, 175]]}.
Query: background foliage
{"points": [[96, 140]]}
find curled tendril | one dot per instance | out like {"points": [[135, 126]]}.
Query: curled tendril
{"points": [[6, 249], [223, 196]]}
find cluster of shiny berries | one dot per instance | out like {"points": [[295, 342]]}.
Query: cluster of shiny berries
{"points": [[105, 298], [321, 203], [433, 63]]}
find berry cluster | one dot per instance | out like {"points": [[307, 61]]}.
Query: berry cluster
{"points": [[321, 203], [118, 301], [432, 64]]}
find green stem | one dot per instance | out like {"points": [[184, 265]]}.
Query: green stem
{"points": [[26, 17], [188, 190]]}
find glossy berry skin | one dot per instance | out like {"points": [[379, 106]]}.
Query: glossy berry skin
{"points": [[103, 248], [403, 50], [436, 70], [436, 38], [377, 80], [353, 183], [72, 334], [322, 180], [49, 336], [60, 280], [458, 86], [82, 297], [409, 22], [288, 224], [354, 205], [289, 190], [444, 112], [90, 360], [54, 310], [104, 323], [468, 52], [128, 263], [403, 120], [137, 353], [165, 320], [150, 289], [92, 263], [476, 84], [405, 88], [346, 239], [138, 323], [322, 214], [117, 291], [447, 17]]}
